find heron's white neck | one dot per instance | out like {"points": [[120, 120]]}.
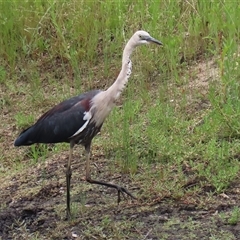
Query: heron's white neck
{"points": [[117, 87], [103, 102]]}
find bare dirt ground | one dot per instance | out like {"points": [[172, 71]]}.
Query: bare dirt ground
{"points": [[27, 213], [33, 201]]}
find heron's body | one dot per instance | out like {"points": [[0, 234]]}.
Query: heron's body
{"points": [[78, 119], [67, 121]]}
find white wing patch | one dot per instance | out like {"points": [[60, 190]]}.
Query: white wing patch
{"points": [[87, 117]]}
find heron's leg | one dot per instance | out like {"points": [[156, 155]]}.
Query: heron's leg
{"points": [[121, 190], [88, 153], [68, 179]]}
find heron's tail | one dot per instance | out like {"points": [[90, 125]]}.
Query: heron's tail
{"points": [[24, 138]]}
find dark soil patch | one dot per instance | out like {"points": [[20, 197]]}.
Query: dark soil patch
{"points": [[43, 212]]}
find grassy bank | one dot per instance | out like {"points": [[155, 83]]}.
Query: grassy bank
{"points": [[175, 131]]}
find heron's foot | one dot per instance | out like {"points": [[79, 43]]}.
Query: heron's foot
{"points": [[123, 191]]}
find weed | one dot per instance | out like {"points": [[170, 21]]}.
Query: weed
{"points": [[23, 120], [235, 216], [37, 151], [3, 74]]}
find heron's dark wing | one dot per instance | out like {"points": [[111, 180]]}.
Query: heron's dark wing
{"points": [[59, 123], [69, 103]]}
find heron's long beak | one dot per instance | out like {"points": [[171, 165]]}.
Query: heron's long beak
{"points": [[153, 40]]}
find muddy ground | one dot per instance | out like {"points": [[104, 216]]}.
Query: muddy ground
{"points": [[35, 209]]}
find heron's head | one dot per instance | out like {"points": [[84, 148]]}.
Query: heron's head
{"points": [[142, 37]]}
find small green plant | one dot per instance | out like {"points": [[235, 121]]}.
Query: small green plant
{"points": [[23, 120], [3, 74], [4, 102], [106, 221], [38, 151], [235, 216]]}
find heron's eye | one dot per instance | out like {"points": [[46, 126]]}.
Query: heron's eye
{"points": [[140, 36]]}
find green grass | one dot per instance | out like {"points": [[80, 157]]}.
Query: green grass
{"points": [[176, 122], [235, 216]]}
